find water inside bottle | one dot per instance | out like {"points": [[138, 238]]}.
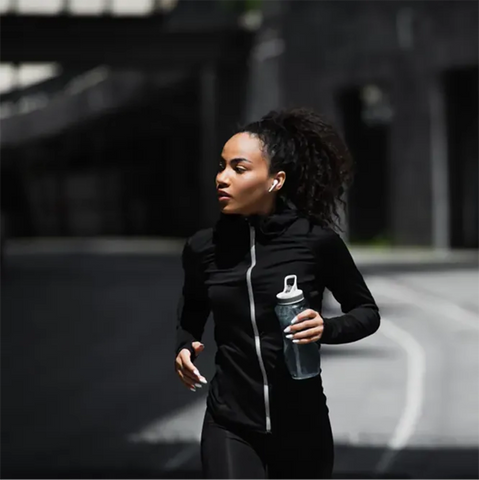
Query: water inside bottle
{"points": [[303, 361]]}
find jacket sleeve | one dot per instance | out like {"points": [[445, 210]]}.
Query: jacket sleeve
{"points": [[193, 305], [360, 313]]}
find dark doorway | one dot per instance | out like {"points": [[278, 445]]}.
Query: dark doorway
{"points": [[366, 115], [461, 90]]}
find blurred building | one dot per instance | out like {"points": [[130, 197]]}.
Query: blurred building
{"points": [[125, 137], [116, 143], [401, 78]]}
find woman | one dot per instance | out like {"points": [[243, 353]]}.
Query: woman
{"points": [[279, 184]]}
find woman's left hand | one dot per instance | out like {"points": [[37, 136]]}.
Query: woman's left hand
{"points": [[306, 327]]}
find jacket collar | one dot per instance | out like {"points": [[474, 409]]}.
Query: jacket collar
{"points": [[269, 225]]}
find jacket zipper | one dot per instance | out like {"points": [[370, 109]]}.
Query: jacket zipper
{"points": [[255, 328]]}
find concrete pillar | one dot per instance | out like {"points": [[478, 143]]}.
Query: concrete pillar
{"points": [[209, 144], [439, 167], [410, 169], [265, 63]]}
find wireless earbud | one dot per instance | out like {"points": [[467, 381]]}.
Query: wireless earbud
{"points": [[274, 185]]}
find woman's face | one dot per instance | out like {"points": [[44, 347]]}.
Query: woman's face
{"points": [[243, 178]]}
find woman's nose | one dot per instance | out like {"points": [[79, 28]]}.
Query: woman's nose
{"points": [[222, 180]]}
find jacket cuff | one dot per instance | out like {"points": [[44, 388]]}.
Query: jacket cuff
{"points": [[327, 330]]}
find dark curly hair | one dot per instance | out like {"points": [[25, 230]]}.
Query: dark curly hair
{"points": [[316, 161]]}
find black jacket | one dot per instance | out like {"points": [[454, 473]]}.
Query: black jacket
{"points": [[235, 270]]}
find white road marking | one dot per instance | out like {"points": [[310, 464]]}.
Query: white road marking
{"points": [[416, 355], [182, 457], [427, 301], [184, 425], [416, 371]]}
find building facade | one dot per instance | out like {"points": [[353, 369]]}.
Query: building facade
{"points": [[400, 79]]}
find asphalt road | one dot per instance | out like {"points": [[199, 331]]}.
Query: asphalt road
{"points": [[89, 391]]}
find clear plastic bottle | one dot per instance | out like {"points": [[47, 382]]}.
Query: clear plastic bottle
{"points": [[303, 361]]}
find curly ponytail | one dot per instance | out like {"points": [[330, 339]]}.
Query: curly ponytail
{"points": [[316, 161]]}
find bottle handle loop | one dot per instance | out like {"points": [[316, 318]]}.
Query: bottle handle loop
{"points": [[289, 288]]}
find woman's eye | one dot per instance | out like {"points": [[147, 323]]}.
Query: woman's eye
{"points": [[240, 169]]}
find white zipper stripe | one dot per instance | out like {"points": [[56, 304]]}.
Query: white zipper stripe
{"points": [[255, 329]]}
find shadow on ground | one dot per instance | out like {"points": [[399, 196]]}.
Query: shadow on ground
{"points": [[352, 462]]}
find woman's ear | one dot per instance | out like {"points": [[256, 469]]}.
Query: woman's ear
{"points": [[281, 177], [278, 181]]}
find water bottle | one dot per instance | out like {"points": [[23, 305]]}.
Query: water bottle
{"points": [[303, 361]]}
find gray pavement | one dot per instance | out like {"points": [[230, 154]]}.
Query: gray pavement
{"points": [[415, 384], [89, 391]]}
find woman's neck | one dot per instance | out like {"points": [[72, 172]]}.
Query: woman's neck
{"points": [[265, 210]]}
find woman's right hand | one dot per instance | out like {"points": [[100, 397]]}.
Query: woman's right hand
{"points": [[186, 370]]}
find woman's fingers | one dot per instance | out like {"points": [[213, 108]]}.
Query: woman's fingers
{"points": [[305, 315], [187, 371], [302, 341], [191, 370], [188, 382], [307, 327], [307, 334], [298, 327], [188, 378], [190, 375]]}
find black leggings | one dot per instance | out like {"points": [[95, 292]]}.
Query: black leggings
{"points": [[240, 454]]}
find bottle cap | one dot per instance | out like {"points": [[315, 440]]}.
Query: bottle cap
{"points": [[291, 293]]}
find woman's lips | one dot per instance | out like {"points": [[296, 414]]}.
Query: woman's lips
{"points": [[222, 195]]}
